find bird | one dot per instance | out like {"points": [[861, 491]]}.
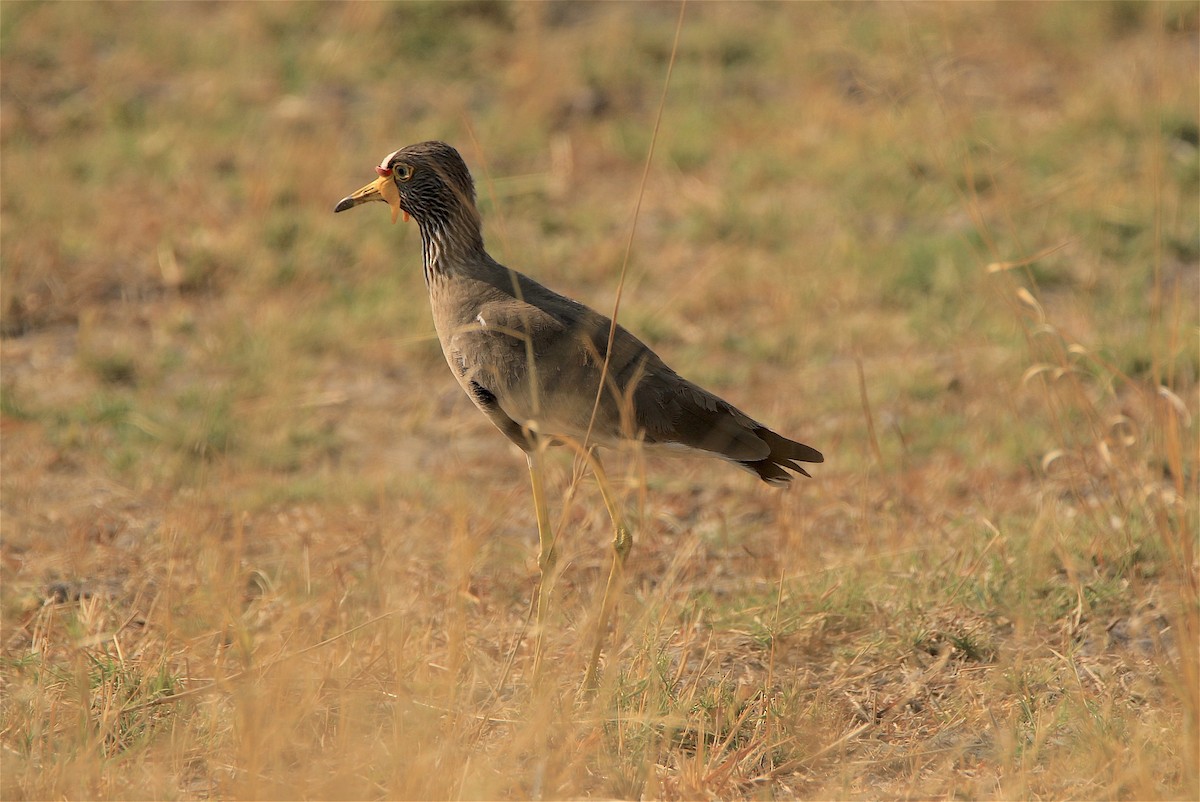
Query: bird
{"points": [[548, 370]]}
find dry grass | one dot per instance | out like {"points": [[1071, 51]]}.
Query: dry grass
{"points": [[257, 545]]}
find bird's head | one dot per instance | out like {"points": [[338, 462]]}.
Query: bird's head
{"points": [[428, 181]]}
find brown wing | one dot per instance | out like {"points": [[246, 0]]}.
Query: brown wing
{"points": [[642, 396]]}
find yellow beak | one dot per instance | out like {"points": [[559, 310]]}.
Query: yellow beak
{"points": [[381, 189]]}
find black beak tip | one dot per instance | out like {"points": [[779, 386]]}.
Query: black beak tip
{"points": [[343, 205]]}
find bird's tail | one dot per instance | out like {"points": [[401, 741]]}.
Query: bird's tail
{"points": [[786, 455]]}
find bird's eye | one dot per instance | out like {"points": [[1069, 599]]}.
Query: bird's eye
{"points": [[402, 171]]}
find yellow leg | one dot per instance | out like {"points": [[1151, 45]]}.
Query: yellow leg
{"points": [[622, 543], [546, 554]]}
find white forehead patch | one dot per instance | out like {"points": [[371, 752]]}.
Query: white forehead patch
{"points": [[388, 158]]}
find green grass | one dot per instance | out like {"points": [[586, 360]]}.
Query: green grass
{"points": [[254, 542]]}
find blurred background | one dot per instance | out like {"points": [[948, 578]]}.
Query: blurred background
{"points": [[256, 542]]}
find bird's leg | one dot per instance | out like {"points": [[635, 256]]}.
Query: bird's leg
{"points": [[622, 543], [546, 553]]}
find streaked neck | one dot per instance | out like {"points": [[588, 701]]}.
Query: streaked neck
{"points": [[448, 242]]}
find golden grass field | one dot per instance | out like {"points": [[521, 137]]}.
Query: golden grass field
{"points": [[256, 543]]}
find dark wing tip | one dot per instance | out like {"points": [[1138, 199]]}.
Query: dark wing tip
{"points": [[806, 453], [786, 455]]}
